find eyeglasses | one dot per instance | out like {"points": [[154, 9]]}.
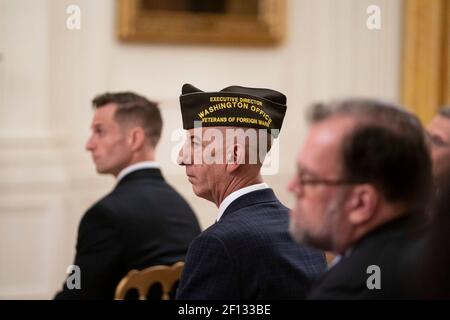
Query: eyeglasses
{"points": [[437, 141], [307, 177]]}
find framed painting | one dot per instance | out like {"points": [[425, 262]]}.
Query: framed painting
{"points": [[426, 57], [224, 22]]}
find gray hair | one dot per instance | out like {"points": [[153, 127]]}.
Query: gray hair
{"points": [[445, 112], [386, 148], [369, 111]]}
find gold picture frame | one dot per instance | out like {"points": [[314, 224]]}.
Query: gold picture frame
{"points": [[143, 21], [426, 57]]}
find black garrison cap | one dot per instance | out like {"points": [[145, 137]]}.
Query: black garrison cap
{"points": [[233, 106]]}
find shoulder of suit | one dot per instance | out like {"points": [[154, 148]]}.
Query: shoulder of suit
{"points": [[103, 209], [256, 216], [234, 232], [147, 188]]}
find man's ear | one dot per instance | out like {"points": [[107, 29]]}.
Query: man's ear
{"points": [[136, 138], [363, 203], [234, 157]]}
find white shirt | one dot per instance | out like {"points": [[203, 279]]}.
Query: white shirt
{"points": [[137, 166], [239, 193], [339, 257], [335, 261]]}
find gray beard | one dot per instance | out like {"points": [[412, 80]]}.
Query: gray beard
{"points": [[305, 239]]}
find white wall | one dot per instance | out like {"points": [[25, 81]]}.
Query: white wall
{"points": [[48, 75]]}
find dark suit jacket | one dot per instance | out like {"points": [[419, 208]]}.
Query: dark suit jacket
{"points": [[142, 222], [249, 254], [394, 247]]}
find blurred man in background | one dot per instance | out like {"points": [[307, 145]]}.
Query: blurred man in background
{"points": [[439, 136], [143, 221]]}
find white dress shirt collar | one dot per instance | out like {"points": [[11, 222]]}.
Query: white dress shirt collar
{"points": [[339, 257], [239, 193], [135, 167]]}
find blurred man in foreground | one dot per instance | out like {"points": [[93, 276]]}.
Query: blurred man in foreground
{"points": [[363, 176]]}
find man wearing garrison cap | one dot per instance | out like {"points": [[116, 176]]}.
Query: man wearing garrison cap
{"points": [[248, 253]]}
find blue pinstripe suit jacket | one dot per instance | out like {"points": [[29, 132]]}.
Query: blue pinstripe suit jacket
{"points": [[249, 254]]}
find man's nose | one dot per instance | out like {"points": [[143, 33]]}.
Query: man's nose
{"points": [[89, 144], [180, 158], [295, 187], [185, 155]]}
